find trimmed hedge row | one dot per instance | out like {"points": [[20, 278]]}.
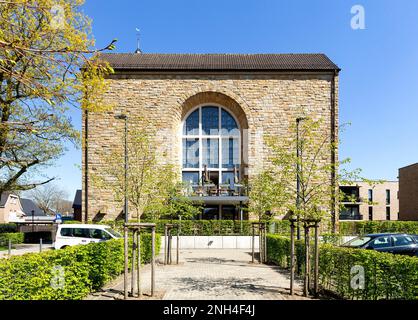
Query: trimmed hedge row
{"points": [[8, 227], [35, 276], [348, 228], [387, 276], [16, 238], [211, 227]]}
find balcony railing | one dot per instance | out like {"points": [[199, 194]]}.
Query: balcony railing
{"points": [[344, 216], [213, 190]]}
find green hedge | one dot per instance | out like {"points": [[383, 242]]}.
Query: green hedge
{"points": [[348, 228], [86, 268], [16, 238], [8, 227], [387, 276], [208, 227]]}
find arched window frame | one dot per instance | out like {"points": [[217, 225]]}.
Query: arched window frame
{"points": [[220, 136]]}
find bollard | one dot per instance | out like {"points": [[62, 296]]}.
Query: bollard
{"points": [[10, 247], [40, 245]]}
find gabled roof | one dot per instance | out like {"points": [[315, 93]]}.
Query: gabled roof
{"points": [[219, 62], [77, 200], [3, 198], [28, 205]]}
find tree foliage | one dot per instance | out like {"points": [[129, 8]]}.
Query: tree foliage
{"points": [[50, 198], [47, 65], [150, 183], [275, 187]]}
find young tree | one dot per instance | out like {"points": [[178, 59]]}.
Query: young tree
{"points": [[46, 66], [149, 182], [49, 198], [305, 156], [178, 205]]}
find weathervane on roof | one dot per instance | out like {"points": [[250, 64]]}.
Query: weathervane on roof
{"points": [[138, 35]]}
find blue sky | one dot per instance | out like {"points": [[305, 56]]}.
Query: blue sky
{"points": [[378, 82]]}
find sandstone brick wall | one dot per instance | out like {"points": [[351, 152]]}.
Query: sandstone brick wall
{"points": [[263, 103]]}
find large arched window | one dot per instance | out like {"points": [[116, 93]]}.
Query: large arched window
{"points": [[211, 144]]}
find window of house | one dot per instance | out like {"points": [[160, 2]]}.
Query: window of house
{"points": [[387, 213], [387, 197], [212, 141], [370, 213], [370, 195]]}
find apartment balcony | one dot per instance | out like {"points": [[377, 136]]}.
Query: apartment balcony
{"points": [[345, 216], [356, 200], [218, 194]]}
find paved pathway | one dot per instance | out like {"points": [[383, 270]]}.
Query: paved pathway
{"points": [[211, 274], [21, 249]]}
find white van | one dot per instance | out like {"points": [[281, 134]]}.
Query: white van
{"points": [[74, 234]]}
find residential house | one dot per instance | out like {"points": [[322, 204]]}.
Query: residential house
{"points": [[11, 209], [363, 201]]}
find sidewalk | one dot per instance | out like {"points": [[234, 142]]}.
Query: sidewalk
{"points": [[21, 249], [210, 275]]}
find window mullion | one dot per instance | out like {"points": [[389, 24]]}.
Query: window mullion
{"points": [[220, 145], [200, 144]]}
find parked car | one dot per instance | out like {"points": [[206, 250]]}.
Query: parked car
{"points": [[398, 243], [74, 234]]}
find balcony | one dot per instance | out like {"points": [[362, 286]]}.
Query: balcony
{"points": [[348, 216], [218, 194]]}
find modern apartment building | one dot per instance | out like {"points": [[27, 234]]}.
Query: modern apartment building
{"points": [[370, 202], [408, 193]]}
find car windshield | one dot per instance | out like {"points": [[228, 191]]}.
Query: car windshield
{"points": [[113, 233], [357, 242]]}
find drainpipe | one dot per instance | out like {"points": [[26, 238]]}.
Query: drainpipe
{"points": [[333, 154], [86, 166]]}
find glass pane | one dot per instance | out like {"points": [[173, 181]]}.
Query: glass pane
{"points": [[211, 152], [382, 242], [229, 179], [191, 125], [229, 125], [230, 153], [191, 178], [190, 153], [210, 121]]}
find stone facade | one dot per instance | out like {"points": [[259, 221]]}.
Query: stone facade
{"points": [[263, 102]]}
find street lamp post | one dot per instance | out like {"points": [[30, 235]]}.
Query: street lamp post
{"points": [[298, 154], [125, 118]]}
